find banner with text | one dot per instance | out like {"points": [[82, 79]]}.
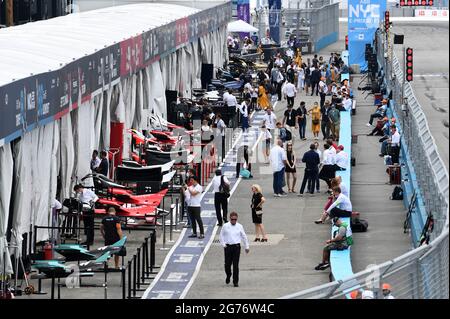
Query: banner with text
{"points": [[364, 17], [275, 20], [243, 13]]}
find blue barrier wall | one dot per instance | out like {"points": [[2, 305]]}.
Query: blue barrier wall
{"points": [[409, 185], [326, 41]]}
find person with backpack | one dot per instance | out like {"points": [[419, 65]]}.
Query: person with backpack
{"points": [[221, 190], [282, 132], [342, 239]]}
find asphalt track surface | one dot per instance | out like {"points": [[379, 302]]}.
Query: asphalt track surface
{"points": [[429, 41]]}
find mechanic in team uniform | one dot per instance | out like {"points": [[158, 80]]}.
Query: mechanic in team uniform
{"points": [[111, 231]]}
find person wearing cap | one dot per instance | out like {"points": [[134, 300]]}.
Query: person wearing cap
{"points": [[387, 291], [338, 242], [221, 187], [379, 113], [341, 159]]}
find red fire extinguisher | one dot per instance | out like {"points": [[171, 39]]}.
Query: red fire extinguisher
{"points": [[48, 251]]}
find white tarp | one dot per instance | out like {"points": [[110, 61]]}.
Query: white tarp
{"points": [[6, 179], [46, 45], [63, 148], [241, 26]]}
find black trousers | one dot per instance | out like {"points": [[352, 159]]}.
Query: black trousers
{"points": [[314, 85], [194, 213], [279, 85], [309, 177], [374, 115], [322, 99], [290, 100], [88, 221], [337, 212], [232, 254], [325, 126], [395, 153], [221, 204]]}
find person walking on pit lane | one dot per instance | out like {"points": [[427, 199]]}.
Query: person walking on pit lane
{"points": [[194, 209], [315, 115], [278, 160], [257, 213], [302, 112], [231, 236], [221, 190], [312, 160], [111, 231]]}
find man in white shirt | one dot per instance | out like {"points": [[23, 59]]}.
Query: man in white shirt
{"points": [[341, 207], [220, 134], [95, 161], [327, 171], [278, 160], [221, 190], [243, 110], [87, 198], [289, 92], [347, 103], [269, 120], [323, 90], [395, 144], [341, 159], [232, 105], [230, 238], [279, 62], [194, 206]]}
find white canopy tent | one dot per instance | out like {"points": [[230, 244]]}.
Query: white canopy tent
{"points": [[62, 148], [241, 26]]}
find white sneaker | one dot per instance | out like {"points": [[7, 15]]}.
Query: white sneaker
{"points": [[276, 195], [368, 124]]}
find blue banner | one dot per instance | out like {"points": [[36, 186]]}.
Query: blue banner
{"points": [[243, 13], [275, 19], [364, 17]]}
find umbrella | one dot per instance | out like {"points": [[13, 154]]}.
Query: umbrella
{"points": [[241, 26]]}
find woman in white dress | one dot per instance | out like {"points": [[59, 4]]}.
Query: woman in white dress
{"points": [[301, 78]]}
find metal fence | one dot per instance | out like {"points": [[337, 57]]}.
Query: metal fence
{"points": [[431, 173], [419, 274], [316, 26], [423, 272]]}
